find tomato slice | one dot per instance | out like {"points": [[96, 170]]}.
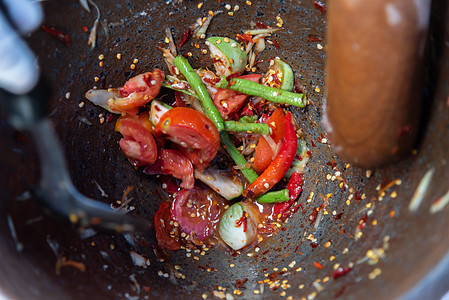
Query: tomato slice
{"points": [[137, 143], [229, 102], [198, 211], [143, 119], [193, 131], [173, 162], [137, 91], [264, 154], [162, 226]]}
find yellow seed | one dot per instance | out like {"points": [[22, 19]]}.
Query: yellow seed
{"points": [[226, 40], [119, 56], [211, 13], [374, 223], [101, 56], [133, 66], [96, 78], [332, 258], [394, 194], [135, 61], [231, 13], [73, 218], [200, 5], [248, 2], [167, 41], [100, 63], [317, 89], [327, 244]]}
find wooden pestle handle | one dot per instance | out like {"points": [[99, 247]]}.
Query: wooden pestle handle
{"points": [[374, 78]]}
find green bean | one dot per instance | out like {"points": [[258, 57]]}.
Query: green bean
{"points": [[272, 94], [274, 197], [197, 85], [238, 158], [259, 128]]}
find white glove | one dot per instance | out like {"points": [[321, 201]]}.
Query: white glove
{"points": [[19, 71]]}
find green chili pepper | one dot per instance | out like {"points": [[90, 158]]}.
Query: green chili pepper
{"points": [[254, 89]]}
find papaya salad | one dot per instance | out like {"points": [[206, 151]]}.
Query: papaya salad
{"points": [[225, 147]]}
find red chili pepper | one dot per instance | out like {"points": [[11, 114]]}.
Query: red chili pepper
{"points": [[294, 189], [185, 37], [280, 164], [64, 38], [294, 186]]}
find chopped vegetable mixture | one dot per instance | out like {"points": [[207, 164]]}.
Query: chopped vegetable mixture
{"points": [[226, 145]]}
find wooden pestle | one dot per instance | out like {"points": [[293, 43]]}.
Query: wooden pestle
{"points": [[374, 78]]}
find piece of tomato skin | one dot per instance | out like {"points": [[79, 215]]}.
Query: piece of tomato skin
{"points": [[143, 118], [173, 162], [263, 154], [196, 134], [137, 92], [229, 102], [162, 227], [137, 144]]}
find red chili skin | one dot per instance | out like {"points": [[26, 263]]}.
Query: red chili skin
{"points": [[185, 37], [340, 272], [64, 38], [279, 166]]}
